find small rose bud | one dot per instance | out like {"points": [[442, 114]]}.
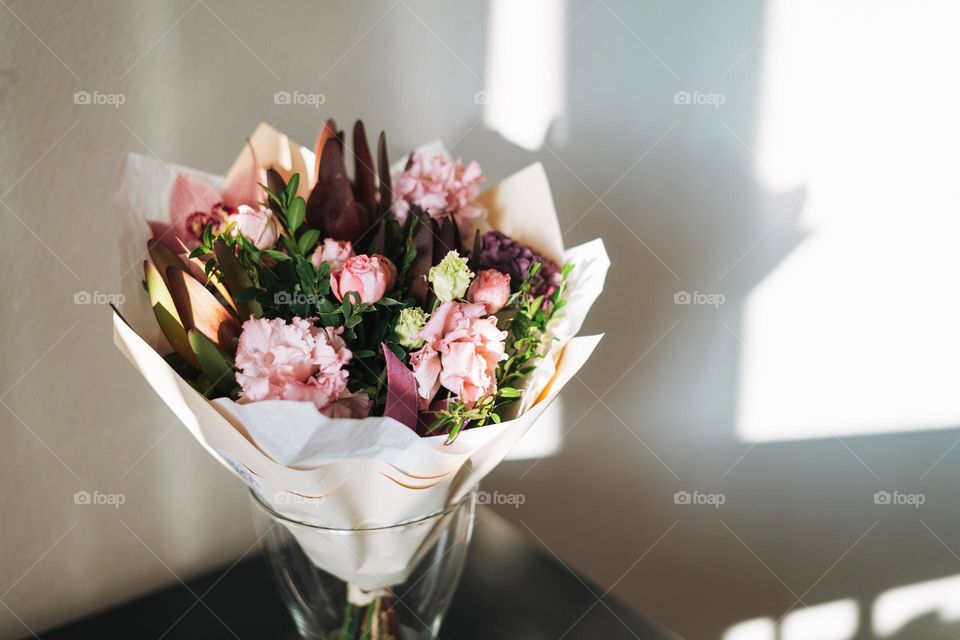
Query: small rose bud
{"points": [[491, 289], [257, 225], [370, 276]]}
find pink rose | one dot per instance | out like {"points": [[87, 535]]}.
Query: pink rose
{"points": [[299, 361], [333, 252], [257, 225], [370, 276], [461, 353], [491, 289]]}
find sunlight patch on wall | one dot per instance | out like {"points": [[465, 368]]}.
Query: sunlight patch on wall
{"points": [[524, 92], [836, 620], [858, 329], [896, 608]]}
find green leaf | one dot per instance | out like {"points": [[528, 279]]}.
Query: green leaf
{"points": [[246, 295], [166, 312], [213, 363], [276, 255], [237, 279], [308, 277], [292, 186], [510, 392], [308, 240], [296, 213]]}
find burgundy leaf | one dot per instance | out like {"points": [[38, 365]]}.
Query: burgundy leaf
{"points": [[423, 243], [402, 397], [364, 177], [383, 169], [329, 130], [474, 263], [331, 208], [277, 184], [446, 239]]}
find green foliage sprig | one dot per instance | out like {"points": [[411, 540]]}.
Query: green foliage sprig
{"points": [[528, 324]]}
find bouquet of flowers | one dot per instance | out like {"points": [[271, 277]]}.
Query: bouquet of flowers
{"points": [[371, 341]]}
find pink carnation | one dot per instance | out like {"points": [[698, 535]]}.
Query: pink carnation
{"points": [[461, 353], [296, 360], [439, 186]]}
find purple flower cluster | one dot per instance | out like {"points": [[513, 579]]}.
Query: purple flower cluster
{"points": [[505, 254]]}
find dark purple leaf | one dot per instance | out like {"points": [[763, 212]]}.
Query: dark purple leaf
{"points": [[383, 169], [331, 208], [364, 178], [445, 240], [423, 243]]}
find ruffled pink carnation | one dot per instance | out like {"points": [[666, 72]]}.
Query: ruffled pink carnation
{"points": [[461, 353], [297, 360], [439, 186]]}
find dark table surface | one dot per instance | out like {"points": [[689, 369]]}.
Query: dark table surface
{"points": [[511, 590]]}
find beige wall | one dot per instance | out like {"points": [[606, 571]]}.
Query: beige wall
{"points": [[198, 77]]}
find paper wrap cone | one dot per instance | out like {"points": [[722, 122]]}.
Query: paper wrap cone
{"points": [[349, 474]]}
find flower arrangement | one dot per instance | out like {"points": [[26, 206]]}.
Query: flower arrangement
{"points": [[359, 347], [361, 297]]}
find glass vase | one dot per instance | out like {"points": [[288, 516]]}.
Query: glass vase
{"points": [[410, 572]]}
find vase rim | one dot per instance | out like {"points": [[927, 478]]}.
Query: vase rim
{"points": [[262, 504]]}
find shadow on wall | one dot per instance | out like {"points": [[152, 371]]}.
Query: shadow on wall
{"points": [[756, 206]]}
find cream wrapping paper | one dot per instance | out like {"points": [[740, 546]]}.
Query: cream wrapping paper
{"points": [[349, 474]]}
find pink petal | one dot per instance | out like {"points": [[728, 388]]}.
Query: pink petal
{"points": [[188, 196]]}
